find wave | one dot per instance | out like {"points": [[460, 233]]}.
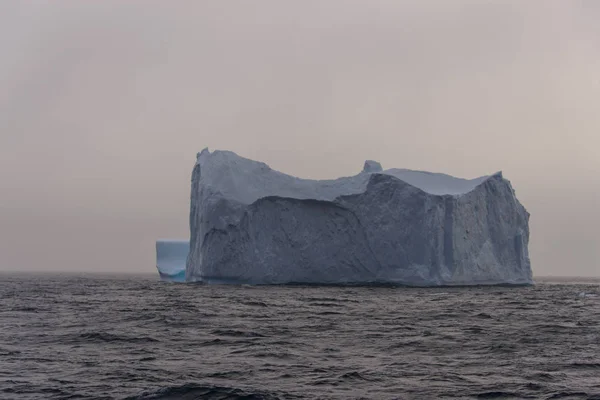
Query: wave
{"points": [[110, 337], [194, 391], [234, 333]]}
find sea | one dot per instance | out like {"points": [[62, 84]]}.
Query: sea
{"points": [[135, 337]]}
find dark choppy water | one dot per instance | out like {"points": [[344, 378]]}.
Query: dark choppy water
{"points": [[64, 337]]}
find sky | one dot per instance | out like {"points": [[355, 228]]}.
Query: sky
{"points": [[103, 106]]}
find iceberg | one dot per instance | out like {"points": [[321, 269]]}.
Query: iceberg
{"points": [[250, 224], [171, 257]]}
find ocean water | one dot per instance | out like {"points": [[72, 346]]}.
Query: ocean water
{"points": [[134, 337]]}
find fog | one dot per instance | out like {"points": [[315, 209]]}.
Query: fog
{"points": [[103, 106]]}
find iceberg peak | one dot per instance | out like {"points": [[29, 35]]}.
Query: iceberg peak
{"points": [[372, 167], [204, 152]]}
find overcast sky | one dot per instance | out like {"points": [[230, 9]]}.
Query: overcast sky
{"points": [[103, 106]]}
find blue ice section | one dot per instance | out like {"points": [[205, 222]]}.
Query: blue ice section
{"points": [[171, 257]]}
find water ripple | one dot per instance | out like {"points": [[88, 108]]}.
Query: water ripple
{"points": [[86, 337]]}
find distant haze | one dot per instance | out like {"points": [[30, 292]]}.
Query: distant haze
{"points": [[103, 106]]}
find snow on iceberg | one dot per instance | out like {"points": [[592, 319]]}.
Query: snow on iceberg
{"points": [[171, 256], [251, 224]]}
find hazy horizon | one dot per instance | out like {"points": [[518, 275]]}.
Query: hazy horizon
{"points": [[105, 104]]}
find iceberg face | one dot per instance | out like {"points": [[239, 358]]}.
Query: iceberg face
{"points": [[251, 224], [171, 256]]}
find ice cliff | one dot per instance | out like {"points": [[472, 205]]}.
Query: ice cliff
{"points": [[252, 224], [171, 256]]}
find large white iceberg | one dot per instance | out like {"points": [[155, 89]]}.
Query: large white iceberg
{"points": [[251, 224]]}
